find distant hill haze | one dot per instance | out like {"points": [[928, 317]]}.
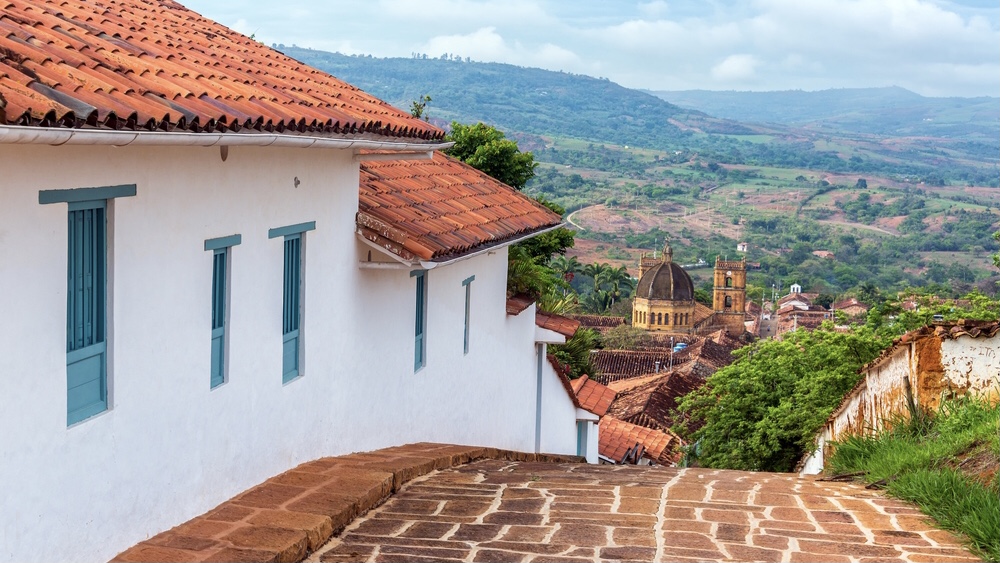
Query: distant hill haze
{"points": [[891, 111], [518, 99]]}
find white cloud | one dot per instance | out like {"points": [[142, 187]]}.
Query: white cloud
{"points": [[941, 47], [654, 9], [735, 69], [487, 45]]}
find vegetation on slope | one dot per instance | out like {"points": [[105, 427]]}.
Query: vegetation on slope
{"points": [[946, 463], [761, 412]]}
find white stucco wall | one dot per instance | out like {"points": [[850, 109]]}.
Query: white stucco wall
{"points": [[967, 365], [558, 414], [169, 448], [972, 364]]}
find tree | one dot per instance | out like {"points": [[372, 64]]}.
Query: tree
{"points": [[575, 353], [996, 257], [542, 247], [418, 106], [762, 412], [862, 184], [485, 148]]}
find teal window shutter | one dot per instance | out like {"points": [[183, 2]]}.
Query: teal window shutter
{"points": [[86, 311], [581, 438], [420, 341], [291, 307], [219, 264], [220, 297]]}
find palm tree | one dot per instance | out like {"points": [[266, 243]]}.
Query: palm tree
{"points": [[566, 266], [595, 271]]}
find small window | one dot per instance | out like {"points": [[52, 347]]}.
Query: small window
{"points": [[291, 308], [729, 282], [581, 438], [86, 312], [729, 301], [292, 301], [468, 298], [86, 296], [220, 305], [420, 329]]}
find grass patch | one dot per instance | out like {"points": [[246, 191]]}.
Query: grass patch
{"points": [[945, 462]]}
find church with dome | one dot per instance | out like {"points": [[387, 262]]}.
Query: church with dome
{"points": [[664, 297]]}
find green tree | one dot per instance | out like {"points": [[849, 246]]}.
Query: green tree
{"points": [[996, 257], [542, 247], [418, 106], [575, 353], [762, 412], [485, 148]]}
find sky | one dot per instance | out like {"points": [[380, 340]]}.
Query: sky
{"points": [[932, 47]]}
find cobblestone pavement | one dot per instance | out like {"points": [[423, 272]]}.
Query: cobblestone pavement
{"points": [[496, 510]]}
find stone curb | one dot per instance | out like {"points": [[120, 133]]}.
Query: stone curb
{"points": [[289, 516]]}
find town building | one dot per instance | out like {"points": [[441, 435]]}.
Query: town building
{"points": [[664, 297]]}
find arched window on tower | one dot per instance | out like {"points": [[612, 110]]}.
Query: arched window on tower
{"points": [[729, 301], [659, 318], [729, 281], [687, 317]]}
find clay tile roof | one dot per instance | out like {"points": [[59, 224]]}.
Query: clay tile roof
{"points": [[562, 372], [556, 323], [593, 396], [517, 304], [615, 437], [599, 321], [442, 208], [632, 362], [154, 65], [652, 404]]}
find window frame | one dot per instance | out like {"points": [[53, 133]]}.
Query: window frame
{"points": [[467, 283], [292, 298], [84, 199], [420, 320], [221, 296]]}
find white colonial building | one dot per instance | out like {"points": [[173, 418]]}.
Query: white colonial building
{"points": [[195, 296]]}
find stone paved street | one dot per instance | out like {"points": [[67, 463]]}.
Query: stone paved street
{"points": [[495, 510]]}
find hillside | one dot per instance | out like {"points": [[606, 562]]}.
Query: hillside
{"points": [[636, 170], [518, 99], [884, 111]]}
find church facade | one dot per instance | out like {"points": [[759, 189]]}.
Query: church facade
{"points": [[664, 297]]}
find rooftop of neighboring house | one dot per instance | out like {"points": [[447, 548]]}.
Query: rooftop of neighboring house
{"points": [[616, 437], [440, 208], [599, 323], [848, 303], [160, 67], [806, 298], [593, 396], [652, 403]]}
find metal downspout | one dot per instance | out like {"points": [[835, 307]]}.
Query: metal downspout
{"points": [[540, 351]]}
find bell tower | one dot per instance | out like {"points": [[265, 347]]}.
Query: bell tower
{"points": [[730, 292]]}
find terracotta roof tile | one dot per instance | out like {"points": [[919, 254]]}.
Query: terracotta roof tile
{"points": [[615, 437], [557, 323], [562, 372], [442, 208], [517, 304], [652, 404], [599, 321], [155, 65], [593, 396]]}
